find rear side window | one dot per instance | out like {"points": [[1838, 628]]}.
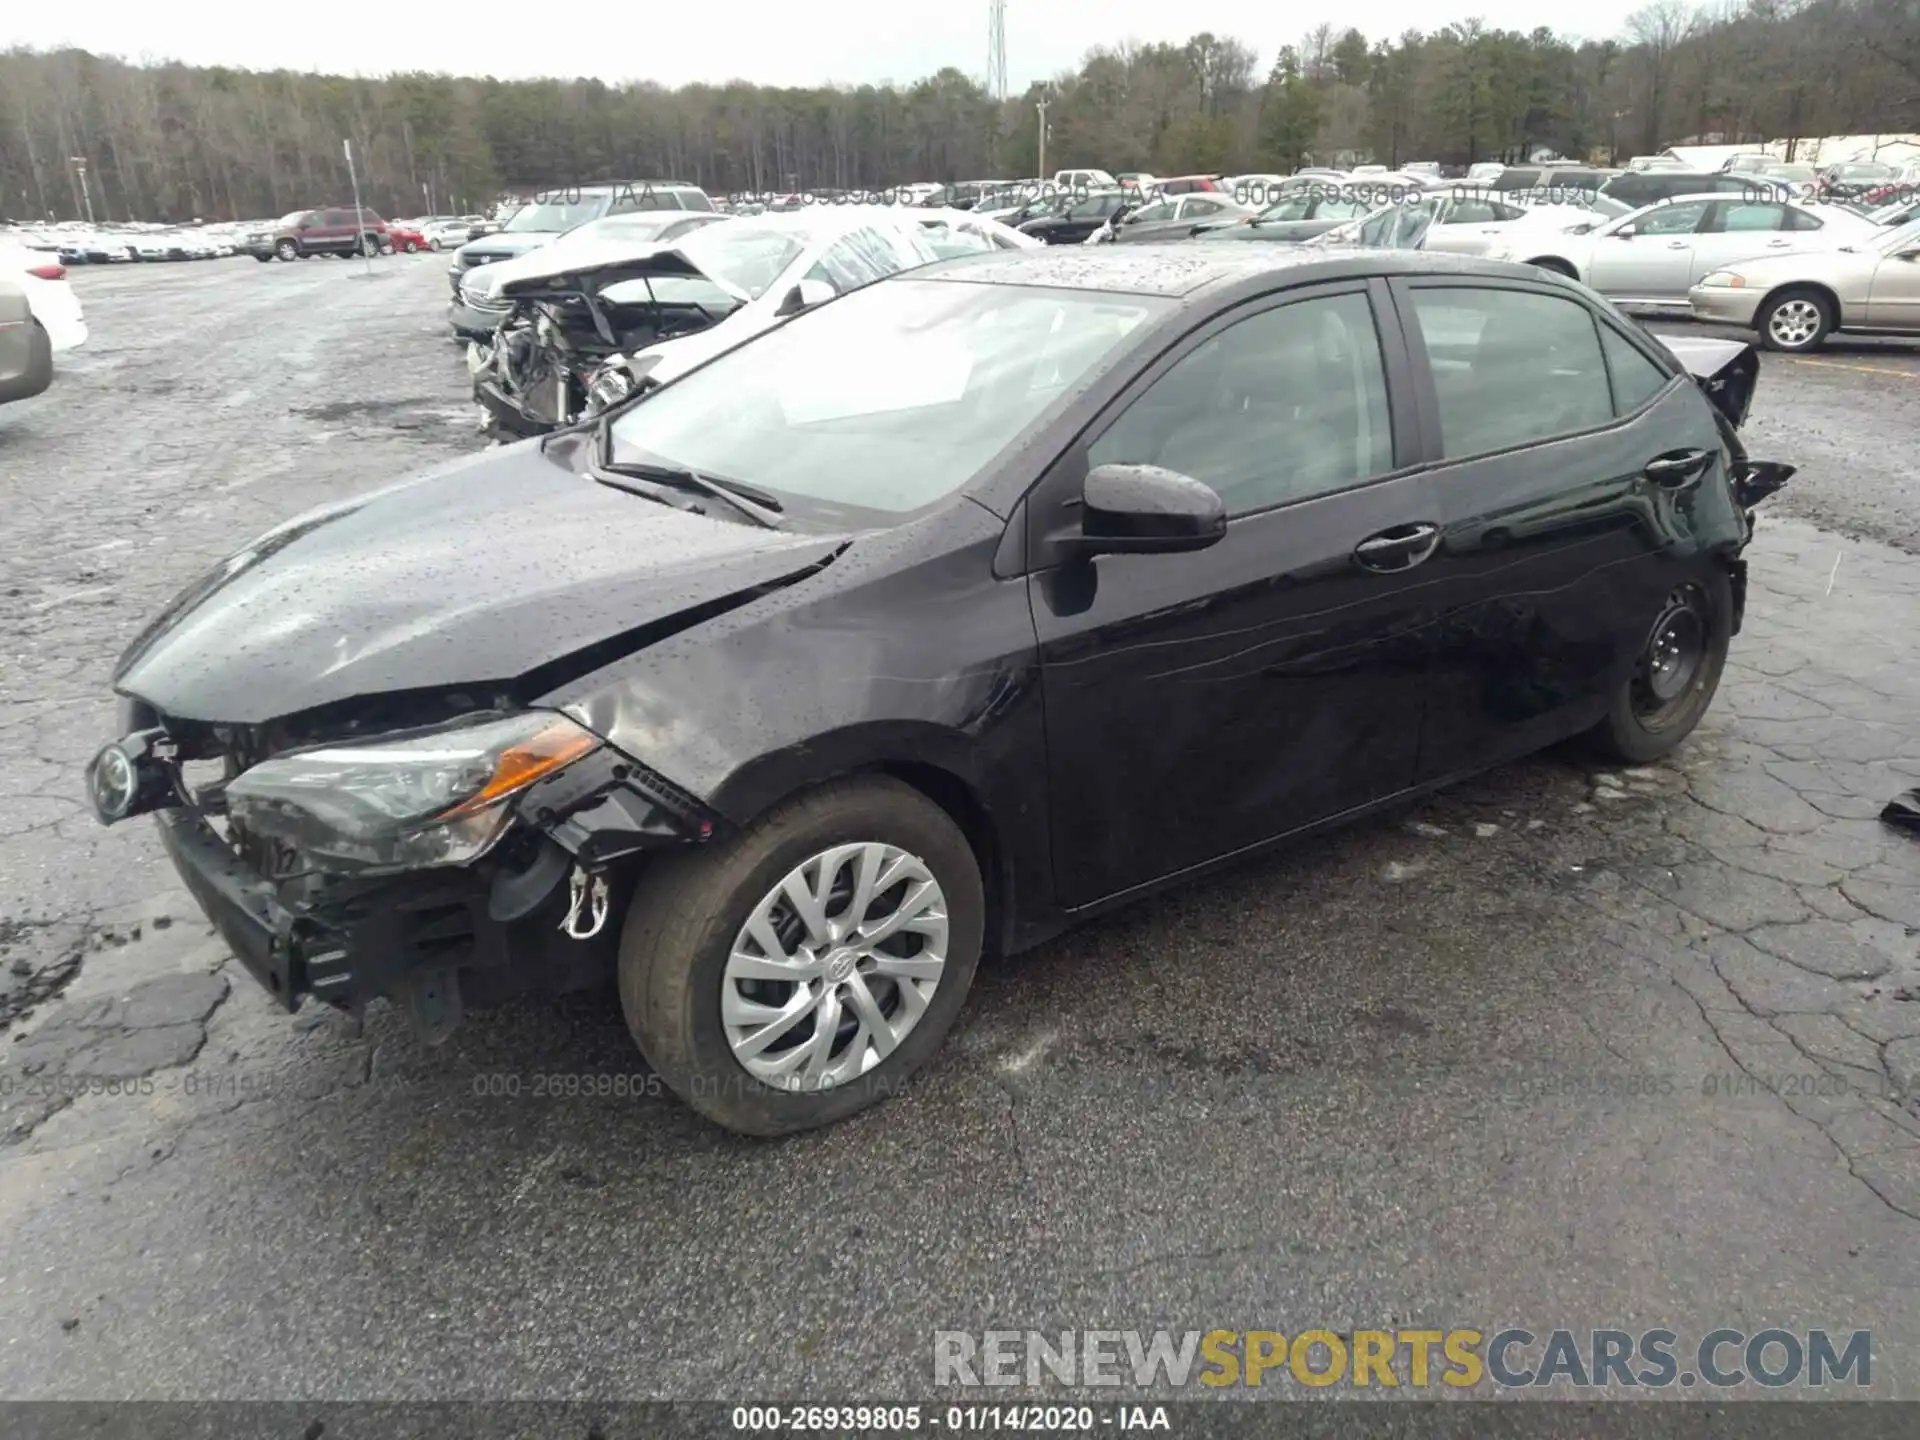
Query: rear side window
{"points": [[695, 200], [1801, 220], [1636, 379], [1511, 367]]}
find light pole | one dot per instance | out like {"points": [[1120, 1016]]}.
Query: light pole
{"points": [[79, 163], [1040, 165]]}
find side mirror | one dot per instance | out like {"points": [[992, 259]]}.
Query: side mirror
{"points": [[804, 296], [1907, 255], [1144, 509], [1626, 234]]}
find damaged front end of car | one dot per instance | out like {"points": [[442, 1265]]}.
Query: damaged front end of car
{"points": [[561, 354], [386, 800], [434, 866]]}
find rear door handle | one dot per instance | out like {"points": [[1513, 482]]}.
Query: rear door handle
{"points": [[1401, 548], [1678, 468]]}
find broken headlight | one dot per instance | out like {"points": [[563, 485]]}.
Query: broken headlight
{"points": [[440, 798]]}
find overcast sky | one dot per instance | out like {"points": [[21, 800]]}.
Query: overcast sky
{"points": [[773, 43]]}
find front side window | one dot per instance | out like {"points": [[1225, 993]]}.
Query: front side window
{"points": [[858, 258], [1681, 219], [1159, 210], [1510, 367], [1282, 406], [888, 400]]}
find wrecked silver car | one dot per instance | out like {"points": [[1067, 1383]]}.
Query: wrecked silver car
{"points": [[589, 326]]}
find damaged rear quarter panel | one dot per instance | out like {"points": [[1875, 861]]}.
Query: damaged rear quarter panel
{"points": [[904, 653]]}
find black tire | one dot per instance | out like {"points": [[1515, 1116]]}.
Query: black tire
{"points": [[1554, 266], [1639, 727], [688, 908], [287, 250], [411, 246], [369, 245], [1795, 321], [264, 259]]}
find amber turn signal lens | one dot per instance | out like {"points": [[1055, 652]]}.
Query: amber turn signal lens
{"points": [[559, 745]]}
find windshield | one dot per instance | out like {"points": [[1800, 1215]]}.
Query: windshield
{"points": [[293, 218], [640, 226], [886, 400], [556, 214]]}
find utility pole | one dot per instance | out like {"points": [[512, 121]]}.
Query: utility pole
{"points": [[359, 215], [79, 163], [1040, 166]]}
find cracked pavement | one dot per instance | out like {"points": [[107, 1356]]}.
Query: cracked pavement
{"points": [[1564, 1047]]}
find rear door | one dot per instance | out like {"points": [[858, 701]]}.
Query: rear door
{"points": [[1557, 546], [1198, 704], [1655, 262], [1739, 230], [329, 231]]}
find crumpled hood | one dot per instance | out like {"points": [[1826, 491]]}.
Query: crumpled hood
{"points": [[595, 266], [478, 572]]}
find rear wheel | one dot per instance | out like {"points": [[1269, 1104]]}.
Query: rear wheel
{"points": [[803, 970], [1795, 321], [1676, 673], [410, 246], [369, 245]]}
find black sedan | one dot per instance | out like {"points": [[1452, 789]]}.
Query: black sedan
{"points": [[940, 617], [1074, 222], [1176, 217]]}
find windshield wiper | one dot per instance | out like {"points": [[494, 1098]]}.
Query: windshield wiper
{"points": [[758, 506]]}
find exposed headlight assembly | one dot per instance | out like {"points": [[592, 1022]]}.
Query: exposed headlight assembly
{"points": [[438, 798]]}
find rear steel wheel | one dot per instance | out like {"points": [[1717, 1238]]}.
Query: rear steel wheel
{"points": [[1675, 673]]}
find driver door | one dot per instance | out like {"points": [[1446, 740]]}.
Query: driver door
{"points": [[1893, 301], [1655, 262], [1199, 704]]}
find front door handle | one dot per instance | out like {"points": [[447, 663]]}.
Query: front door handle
{"points": [[1401, 548], [1778, 244], [1678, 468], [1677, 244]]}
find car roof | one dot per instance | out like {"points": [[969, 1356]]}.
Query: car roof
{"points": [[1187, 269]]}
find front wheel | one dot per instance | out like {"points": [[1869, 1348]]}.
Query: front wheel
{"points": [[287, 250], [798, 972], [1795, 321], [1675, 674], [410, 246]]}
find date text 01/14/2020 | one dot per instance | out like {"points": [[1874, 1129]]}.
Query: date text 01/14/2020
{"points": [[920, 1420]]}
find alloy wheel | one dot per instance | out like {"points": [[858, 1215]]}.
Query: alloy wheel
{"points": [[1794, 323], [1674, 657], [834, 966]]}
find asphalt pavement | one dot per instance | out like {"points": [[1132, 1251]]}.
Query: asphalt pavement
{"points": [[1566, 1047]]}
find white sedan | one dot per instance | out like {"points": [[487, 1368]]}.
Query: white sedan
{"points": [[44, 279], [1655, 255], [1795, 301]]}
